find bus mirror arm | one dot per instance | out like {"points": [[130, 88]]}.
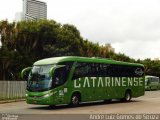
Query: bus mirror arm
{"points": [[52, 69], [25, 72]]}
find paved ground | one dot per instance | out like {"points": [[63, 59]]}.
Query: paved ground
{"points": [[150, 103]]}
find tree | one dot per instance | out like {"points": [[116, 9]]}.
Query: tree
{"points": [[25, 42]]}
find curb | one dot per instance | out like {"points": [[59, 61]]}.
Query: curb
{"points": [[9, 101]]}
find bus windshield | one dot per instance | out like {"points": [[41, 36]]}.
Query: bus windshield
{"points": [[147, 81], [39, 78]]}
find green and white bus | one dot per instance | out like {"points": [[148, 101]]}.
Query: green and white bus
{"points": [[152, 82], [73, 80]]}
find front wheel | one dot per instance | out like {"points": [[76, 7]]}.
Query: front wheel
{"points": [[75, 100], [127, 97], [150, 88], [157, 88]]}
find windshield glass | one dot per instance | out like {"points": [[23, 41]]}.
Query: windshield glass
{"points": [[39, 78]]}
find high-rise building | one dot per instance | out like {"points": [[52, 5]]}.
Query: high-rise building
{"points": [[34, 10]]}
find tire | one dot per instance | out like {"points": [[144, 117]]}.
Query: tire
{"points": [[75, 100], [150, 88], [128, 96]]}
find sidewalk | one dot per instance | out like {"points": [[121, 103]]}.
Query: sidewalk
{"points": [[8, 101]]}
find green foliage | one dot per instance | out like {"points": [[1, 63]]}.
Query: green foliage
{"points": [[152, 67], [25, 42]]}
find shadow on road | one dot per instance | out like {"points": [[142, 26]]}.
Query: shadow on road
{"points": [[82, 105]]}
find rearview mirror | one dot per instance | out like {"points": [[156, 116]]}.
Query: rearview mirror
{"points": [[25, 72]]}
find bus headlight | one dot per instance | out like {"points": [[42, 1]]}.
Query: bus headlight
{"points": [[26, 95], [47, 95]]}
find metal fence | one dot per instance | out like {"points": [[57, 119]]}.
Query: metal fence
{"points": [[12, 89]]}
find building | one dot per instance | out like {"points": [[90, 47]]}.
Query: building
{"points": [[110, 48], [156, 59], [32, 10], [18, 16]]}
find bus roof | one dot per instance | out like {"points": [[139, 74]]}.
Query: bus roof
{"points": [[55, 60], [149, 76]]}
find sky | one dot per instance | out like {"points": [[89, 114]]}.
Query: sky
{"points": [[131, 27]]}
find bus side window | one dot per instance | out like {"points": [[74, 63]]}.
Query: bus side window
{"points": [[77, 72], [82, 70], [68, 67], [148, 82], [60, 76]]}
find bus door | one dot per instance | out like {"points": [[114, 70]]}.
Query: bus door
{"points": [[59, 78]]}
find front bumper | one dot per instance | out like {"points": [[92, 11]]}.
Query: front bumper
{"points": [[40, 100]]}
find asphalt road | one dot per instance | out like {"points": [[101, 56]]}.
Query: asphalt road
{"points": [[148, 104]]}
